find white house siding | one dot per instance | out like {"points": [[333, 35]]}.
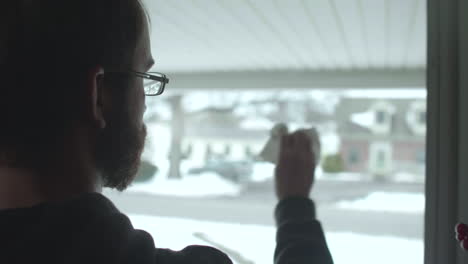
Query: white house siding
{"points": [[218, 146]]}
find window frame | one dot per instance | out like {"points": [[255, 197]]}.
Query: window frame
{"points": [[447, 148]]}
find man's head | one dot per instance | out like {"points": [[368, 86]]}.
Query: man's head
{"points": [[59, 83]]}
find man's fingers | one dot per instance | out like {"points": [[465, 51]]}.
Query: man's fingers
{"points": [[293, 142], [284, 142], [284, 146], [298, 142], [296, 146], [303, 142]]}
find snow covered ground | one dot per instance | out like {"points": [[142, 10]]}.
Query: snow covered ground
{"points": [[211, 185], [262, 171], [200, 185], [203, 185], [254, 243], [387, 202]]}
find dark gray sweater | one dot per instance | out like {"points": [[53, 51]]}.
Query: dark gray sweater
{"points": [[89, 229]]}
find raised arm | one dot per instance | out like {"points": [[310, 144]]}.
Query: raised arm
{"points": [[299, 237]]}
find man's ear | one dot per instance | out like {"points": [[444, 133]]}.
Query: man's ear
{"points": [[96, 92]]}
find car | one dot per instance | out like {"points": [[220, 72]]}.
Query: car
{"points": [[235, 171]]}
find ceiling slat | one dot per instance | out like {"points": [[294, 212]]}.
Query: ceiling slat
{"points": [[413, 22], [365, 33], [320, 40], [341, 31], [386, 32], [352, 25], [266, 40], [244, 39], [288, 20], [277, 35], [400, 17], [321, 13], [418, 49], [204, 30], [373, 14]]}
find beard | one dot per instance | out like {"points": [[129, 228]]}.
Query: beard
{"points": [[118, 151]]}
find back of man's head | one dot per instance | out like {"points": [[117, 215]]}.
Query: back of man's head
{"points": [[47, 48]]}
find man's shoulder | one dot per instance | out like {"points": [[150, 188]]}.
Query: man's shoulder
{"points": [[142, 249], [192, 254]]}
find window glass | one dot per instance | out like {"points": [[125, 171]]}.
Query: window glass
{"points": [[354, 70], [224, 192]]}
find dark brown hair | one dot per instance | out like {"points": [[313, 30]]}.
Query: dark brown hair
{"points": [[46, 49]]}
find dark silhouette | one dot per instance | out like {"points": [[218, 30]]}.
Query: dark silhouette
{"points": [[72, 96]]}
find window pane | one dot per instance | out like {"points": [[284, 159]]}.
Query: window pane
{"points": [[369, 188], [354, 70]]}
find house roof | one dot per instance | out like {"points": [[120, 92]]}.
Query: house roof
{"points": [[400, 129], [224, 123]]}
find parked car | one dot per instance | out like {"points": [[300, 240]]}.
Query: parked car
{"points": [[236, 171]]}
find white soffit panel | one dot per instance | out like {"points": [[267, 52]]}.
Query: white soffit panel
{"points": [[190, 36]]}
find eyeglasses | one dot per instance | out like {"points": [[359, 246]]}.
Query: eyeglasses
{"points": [[153, 82]]}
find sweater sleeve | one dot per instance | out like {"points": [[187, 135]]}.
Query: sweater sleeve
{"points": [[299, 238]]}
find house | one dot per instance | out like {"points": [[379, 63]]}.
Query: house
{"points": [[218, 132], [232, 133], [382, 136]]}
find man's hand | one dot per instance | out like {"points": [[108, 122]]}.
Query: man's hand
{"points": [[295, 171]]}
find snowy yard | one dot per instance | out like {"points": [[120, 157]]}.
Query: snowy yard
{"points": [[255, 243], [204, 185], [387, 202]]}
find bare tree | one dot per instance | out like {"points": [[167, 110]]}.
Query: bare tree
{"points": [[177, 135]]}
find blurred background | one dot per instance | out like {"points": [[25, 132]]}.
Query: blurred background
{"points": [[353, 69]]}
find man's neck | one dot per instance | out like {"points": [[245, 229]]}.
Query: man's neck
{"points": [[21, 188], [16, 189], [66, 172]]}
